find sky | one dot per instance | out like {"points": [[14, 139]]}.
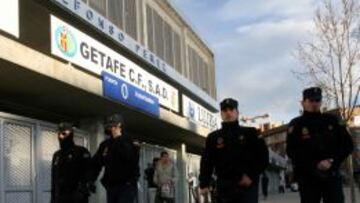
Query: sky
{"points": [[254, 44]]}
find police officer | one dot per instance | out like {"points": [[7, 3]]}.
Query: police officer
{"points": [[69, 169], [236, 155], [120, 157], [318, 143]]}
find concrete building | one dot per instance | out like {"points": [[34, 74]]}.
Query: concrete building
{"points": [[81, 60]]}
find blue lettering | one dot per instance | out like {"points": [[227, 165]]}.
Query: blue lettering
{"points": [[76, 5], [158, 63], [111, 30], [101, 23], [163, 67], [152, 58], [137, 48], [121, 36], [89, 15], [65, 2], [145, 54]]}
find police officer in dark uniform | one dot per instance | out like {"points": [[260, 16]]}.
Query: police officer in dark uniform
{"points": [[317, 144], [236, 155], [70, 165], [120, 157]]}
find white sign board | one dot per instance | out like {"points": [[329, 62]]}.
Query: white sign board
{"points": [[198, 114], [357, 120], [9, 16], [73, 45]]}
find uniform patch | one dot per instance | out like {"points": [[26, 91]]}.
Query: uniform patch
{"points": [[242, 139], [105, 152], [330, 127], [342, 122], [220, 140], [305, 133], [220, 143], [86, 155], [70, 156], [291, 129], [56, 162]]}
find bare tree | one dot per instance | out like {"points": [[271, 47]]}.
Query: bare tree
{"points": [[331, 59]]}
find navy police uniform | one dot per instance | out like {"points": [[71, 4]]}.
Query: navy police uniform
{"points": [[120, 158], [230, 153], [311, 138], [69, 169]]}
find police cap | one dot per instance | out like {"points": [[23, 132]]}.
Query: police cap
{"points": [[229, 103], [314, 93]]}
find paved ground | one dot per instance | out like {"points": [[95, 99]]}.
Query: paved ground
{"points": [[292, 197]]}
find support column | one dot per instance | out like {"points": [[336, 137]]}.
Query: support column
{"points": [[95, 128], [182, 167]]}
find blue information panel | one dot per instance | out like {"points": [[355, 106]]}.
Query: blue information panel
{"points": [[121, 91]]}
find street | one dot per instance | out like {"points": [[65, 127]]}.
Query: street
{"points": [[293, 197]]}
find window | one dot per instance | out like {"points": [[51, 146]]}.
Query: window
{"points": [[177, 52], [159, 39], [130, 18], [99, 6], [123, 13], [116, 11], [163, 40], [168, 43], [201, 73], [150, 29]]}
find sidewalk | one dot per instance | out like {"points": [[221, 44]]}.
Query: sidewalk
{"points": [[293, 197]]}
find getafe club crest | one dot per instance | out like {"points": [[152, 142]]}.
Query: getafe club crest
{"points": [[65, 41]]}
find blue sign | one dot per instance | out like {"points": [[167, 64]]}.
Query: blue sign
{"points": [[121, 91]]}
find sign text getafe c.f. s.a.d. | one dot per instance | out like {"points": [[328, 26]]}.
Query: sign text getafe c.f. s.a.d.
{"points": [[73, 45]]}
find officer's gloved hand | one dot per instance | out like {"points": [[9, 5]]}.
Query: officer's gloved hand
{"points": [[86, 189], [91, 187]]}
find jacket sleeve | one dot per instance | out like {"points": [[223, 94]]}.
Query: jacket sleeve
{"points": [[96, 164], [206, 164], [156, 176], [52, 198], [344, 142], [137, 149], [85, 162], [302, 159], [261, 157], [126, 149]]}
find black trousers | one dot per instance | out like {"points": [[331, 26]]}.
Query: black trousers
{"points": [[330, 190], [122, 193], [231, 192], [70, 198]]}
